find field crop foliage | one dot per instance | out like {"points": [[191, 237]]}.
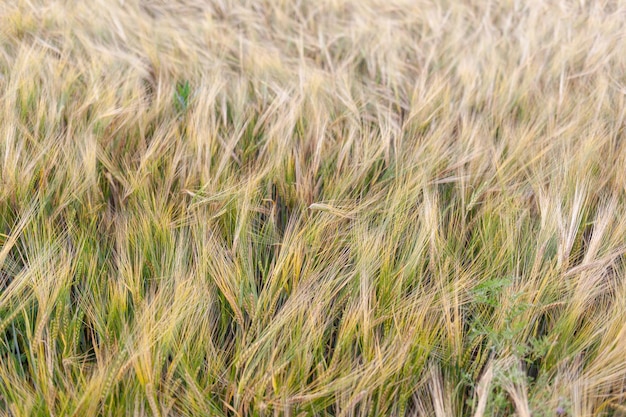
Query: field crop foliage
{"points": [[312, 208]]}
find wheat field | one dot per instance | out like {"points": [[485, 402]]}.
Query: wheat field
{"points": [[312, 208]]}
